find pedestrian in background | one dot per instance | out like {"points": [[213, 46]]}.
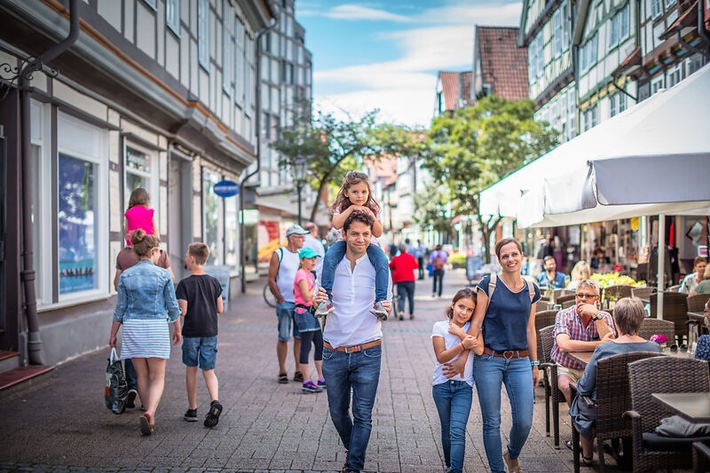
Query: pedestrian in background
{"points": [[200, 300], [419, 254], [453, 396], [308, 326], [282, 273], [403, 266], [312, 241], [145, 306], [438, 259], [352, 346], [580, 272]]}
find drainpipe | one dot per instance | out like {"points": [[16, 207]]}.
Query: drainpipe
{"points": [[255, 172], [34, 344]]}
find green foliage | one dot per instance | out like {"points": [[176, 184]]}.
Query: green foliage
{"points": [[480, 145], [613, 279], [433, 209], [457, 260]]}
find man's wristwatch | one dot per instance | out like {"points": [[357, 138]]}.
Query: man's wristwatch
{"points": [[597, 317]]}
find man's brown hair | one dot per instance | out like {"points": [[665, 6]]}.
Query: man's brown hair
{"points": [[199, 251]]}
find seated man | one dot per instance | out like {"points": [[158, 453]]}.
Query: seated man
{"points": [[579, 328], [551, 277], [696, 277]]}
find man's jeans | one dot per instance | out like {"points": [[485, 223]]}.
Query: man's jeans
{"points": [[490, 373], [453, 402], [361, 373], [438, 276]]}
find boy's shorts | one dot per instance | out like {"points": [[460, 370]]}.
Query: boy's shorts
{"points": [[285, 313], [199, 349]]}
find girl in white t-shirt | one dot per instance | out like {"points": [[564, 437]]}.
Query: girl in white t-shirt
{"points": [[453, 396]]}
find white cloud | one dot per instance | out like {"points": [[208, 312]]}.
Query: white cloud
{"points": [[357, 13], [404, 88]]}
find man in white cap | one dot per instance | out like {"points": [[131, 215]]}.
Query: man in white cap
{"points": [[282, 274]]}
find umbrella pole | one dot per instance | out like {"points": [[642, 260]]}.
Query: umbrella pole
{"points": [[660, 277]]}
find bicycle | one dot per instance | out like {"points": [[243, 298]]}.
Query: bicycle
{"points": [[269, 298]]}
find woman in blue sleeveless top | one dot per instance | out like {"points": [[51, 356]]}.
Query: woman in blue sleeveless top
{"points": [[507, 320]]}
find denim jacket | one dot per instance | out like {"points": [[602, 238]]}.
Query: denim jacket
{"points": [[146, 291]]}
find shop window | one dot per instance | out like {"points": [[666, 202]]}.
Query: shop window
{"points": [[231, 231], [213, 220], [141, 171]]}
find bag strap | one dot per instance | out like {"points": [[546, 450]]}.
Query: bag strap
{"points": [[114, 356], [494, 281]]}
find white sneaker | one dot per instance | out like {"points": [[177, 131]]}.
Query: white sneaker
{"points": [[324, 308]]}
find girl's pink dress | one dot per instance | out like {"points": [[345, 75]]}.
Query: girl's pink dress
{"points": [[137, 217]]}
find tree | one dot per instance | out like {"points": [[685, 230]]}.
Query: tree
{"points": [[433, 210], [480, 145], [331, 147]]}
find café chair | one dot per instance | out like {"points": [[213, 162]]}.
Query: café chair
{"points": [[701, 457], [563, 299], [562, 292], [651, 327], [613, 399], [673, 288], [568, 304], [543, 319], [617, 291], [549, 379], [675, 309], [697, 302], [666, 374], [643, 293]]}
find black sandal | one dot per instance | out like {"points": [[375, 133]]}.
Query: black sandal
{"points": [[587, 461], [283, 378]]}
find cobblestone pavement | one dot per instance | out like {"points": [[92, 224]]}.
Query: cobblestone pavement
{"points": [[60, 424]]}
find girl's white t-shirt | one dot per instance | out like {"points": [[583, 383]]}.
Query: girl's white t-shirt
{"points": [[441, 329]]}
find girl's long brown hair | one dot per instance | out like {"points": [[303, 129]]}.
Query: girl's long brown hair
{"points": [[352, 178], [465, 293]]}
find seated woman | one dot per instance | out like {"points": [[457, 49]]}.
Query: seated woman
{"points": [[628, 317], [702, 352]]}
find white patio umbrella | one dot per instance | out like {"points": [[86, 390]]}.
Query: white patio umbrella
{"points": [[653, 159]]}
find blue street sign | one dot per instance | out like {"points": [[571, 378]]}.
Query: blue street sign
{"points": [[226, 188]]}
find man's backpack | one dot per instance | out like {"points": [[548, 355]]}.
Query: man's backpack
{"points": [[438, 262]]}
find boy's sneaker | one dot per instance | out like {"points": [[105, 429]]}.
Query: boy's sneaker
{"points": [[378, 310], [324, 308], [131, 399], [212, 416], [321, 383], [310, 387], [191, 415]]}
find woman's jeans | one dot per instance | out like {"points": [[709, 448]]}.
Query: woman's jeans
{"points": [[453, 402], [406, 289], [490, 372], [376, 256], [358, 373]]}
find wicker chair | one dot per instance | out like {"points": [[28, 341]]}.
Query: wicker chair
{"points": [[655, 326], [643, 292], [666, 374], [613, 399], [675, 309], [617, 291], [549, 367], [543, 319], [701, 457], [697, 302], [562, 292], [562, 299]]}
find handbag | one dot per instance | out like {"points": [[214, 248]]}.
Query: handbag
{"points": [[116, 389]]}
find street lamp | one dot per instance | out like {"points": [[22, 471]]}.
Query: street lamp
{"points": [[298, 173]]}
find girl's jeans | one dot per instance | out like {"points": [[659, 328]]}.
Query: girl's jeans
{"points": [[490, 372], [376, 256], [453, 401]]}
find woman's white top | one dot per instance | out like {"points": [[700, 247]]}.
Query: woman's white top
{"points": [[441, 329]]}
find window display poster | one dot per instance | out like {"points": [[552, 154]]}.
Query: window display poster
{"points": [[76, 225]]}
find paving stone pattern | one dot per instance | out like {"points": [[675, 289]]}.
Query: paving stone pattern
{"points": [[60, 424]]}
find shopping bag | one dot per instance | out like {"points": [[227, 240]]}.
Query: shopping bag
{"points": [[116, 389]]}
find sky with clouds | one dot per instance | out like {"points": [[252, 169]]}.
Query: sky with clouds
{"points": [[385, 54]]}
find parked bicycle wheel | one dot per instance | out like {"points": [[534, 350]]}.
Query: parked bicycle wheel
{"points": [[269, 298]]}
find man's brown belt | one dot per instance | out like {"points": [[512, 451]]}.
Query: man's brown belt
{"points": [[358, 348], [508, 354]]}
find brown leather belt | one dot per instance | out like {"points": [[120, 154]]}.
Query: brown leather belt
{"points": [[356, 348], [507, 354]]}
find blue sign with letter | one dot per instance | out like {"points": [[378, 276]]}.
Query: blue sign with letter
{"points": [[226, 188]]}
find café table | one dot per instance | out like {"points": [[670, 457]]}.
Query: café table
{"points": [[584, 356], [694, 407]]}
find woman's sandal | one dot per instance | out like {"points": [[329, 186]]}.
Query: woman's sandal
{"points": [[283, 378], [146, 427], [587, 461]]}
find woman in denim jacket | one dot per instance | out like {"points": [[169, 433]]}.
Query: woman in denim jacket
{"points": [[145, 307]]}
